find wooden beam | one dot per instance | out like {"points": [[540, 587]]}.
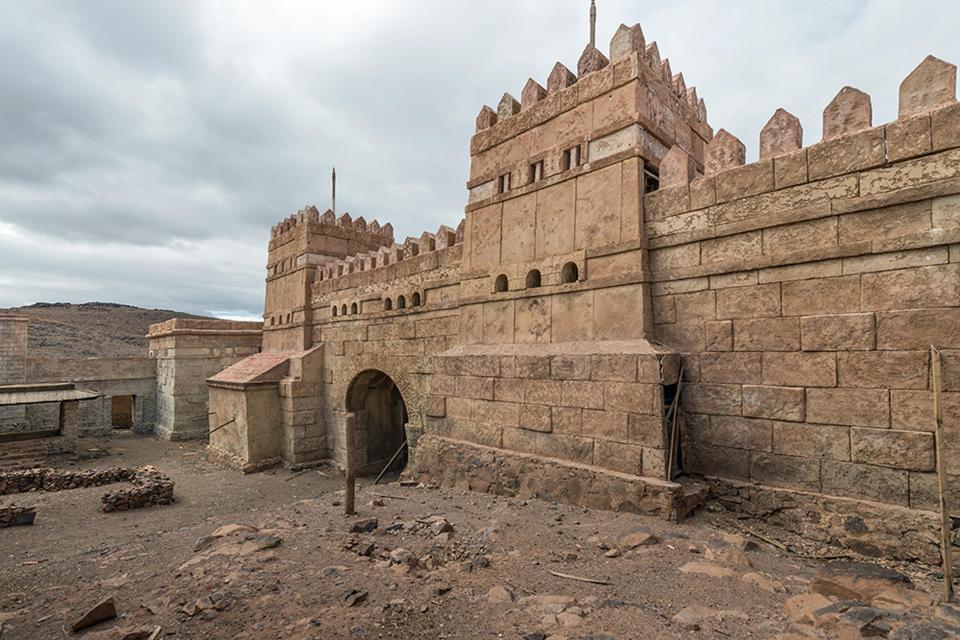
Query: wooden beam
{"points": [[946, 523]]}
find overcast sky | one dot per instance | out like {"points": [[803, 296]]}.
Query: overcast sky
{"points": [[147, 147]]}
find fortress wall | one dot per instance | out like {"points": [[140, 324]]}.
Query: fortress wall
{"points": [[805, 291]]}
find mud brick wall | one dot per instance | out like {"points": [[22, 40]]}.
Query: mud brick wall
{"points": [[805, 291]]}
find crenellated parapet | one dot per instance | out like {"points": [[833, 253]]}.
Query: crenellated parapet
{"points": [[929, 121], [310, 214], [444, 238]]}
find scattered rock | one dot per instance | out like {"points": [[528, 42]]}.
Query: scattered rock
{"points": [[440, 525], [763, 581], [612, 553], [800, 608], [638, 539], [101, 612], [851, 580], [708, 569], [364, 526], [500, 595], [229, 529], [355, 597]]}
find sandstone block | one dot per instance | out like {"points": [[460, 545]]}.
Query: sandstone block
{"points": [[749, 302], [732, 248], [722, 399], [535, 417], [732, 367], [888, 369], [800, 236], [621, 367], [507, 107], [626, 41], [520, 440], [946, 212], [532, 367], [722, 462], [732, 431], [781, 135], [486, 118], [865, 481], [745, 181], [724, 152], [811, 440], [625, 458], [852, 152], [646, 430], [855, 407], [633, 397], [703, 192], [945, 127], [677, 168], [918, 329], [605, 425], [931, 85], [587, 395], [785, 471], [568, 420], [575, 448], [911, 450], [935, 286], [546, 392], [799, 369], [560, 78], [533, 92], [778, 403], [885, 224], [570, 367], [909, 138], [507, 390], [790, 170], [910, 409], [849, 331], [766, 334], [592, 59], [719, 335], [849, 111]]}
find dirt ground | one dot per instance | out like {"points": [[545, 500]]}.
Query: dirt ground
{"points": [[291, 568]]}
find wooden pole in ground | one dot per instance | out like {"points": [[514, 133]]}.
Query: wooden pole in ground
{"points": [[945, 521], [350, 472], [673, 424]]}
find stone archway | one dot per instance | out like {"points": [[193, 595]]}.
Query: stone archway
{"points": [[381, 419]]}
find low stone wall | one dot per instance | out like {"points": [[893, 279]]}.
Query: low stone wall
{"points": [[150, 486], [480, 468], [14, 516], [869, 528]]}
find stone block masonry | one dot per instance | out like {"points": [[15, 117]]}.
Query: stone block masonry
{"points": [[13, 349]]}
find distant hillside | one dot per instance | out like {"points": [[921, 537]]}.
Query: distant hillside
{"points": [[91, 329]]}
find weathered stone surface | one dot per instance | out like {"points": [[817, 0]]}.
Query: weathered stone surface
{"points": [[626, 41], [931, 85], [849, 580], [724, 152], [850, 331], [100, 612], [909, 450], [849, 111], [533, 92], [677, 167], [781, 135], [592, 59], [560, 78], [485, 119], [857, 407], [778, 403], [507, 107]]}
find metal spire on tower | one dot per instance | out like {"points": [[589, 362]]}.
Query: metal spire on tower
{"points": [[593, 23], [333, 185]]}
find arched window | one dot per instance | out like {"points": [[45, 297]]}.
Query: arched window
{"points": [[415, 299], [343, 310], [333, 310], [387, 304], [401, 302], [533, 279], [353, 308], [570, 272], [501, 284]]}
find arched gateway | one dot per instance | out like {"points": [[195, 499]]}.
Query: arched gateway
{"points": [[381, 416]]}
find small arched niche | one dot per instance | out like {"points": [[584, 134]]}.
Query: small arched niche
{"points": [[353, 308], [533, 279], [387, 304], [343, 310], [415, 299], [401, 302], [570, 272], [501, 284], [333, 311]]}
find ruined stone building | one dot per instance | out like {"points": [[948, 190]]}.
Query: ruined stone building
{"points": [[612, 244]]}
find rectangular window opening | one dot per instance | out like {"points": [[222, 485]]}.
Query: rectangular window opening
{"points": [[535, 172], [651, 178], [503, 183]]}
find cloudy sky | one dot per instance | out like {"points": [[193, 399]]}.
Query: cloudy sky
{"points": [[147, 147]]}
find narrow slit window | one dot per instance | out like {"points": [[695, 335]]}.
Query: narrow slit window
{"points": [[571, 158], [343, 310], [503, 183], [651, 178], [535, 172], [333, 310]]}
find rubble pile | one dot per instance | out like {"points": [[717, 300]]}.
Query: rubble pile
{"points": [[150, 486], [12, 516]]}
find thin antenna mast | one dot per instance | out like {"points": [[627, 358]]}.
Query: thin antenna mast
{"points": [[333, 190], [593, 23]]}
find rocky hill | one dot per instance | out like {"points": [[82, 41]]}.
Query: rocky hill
{"points": [[91, 329]]}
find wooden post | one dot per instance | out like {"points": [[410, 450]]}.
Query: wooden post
{"points": [[673, 424], [350, 475], [945, 521]]}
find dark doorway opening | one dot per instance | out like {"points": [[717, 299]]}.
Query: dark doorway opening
{"points": [[121, 411], [381, 418]]}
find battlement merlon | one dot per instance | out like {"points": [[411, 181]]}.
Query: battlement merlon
{"points": [[288, 228], [606, 97]]}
